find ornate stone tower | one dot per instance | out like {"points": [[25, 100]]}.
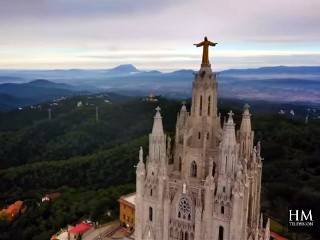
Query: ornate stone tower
{"points": [[208, 186]]}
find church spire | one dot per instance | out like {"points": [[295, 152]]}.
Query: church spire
{"points": [[157, 140], [246, 134], [229, 137], [141, 166], [246, 120], [183, 108], [157, 128], [228, 147]]}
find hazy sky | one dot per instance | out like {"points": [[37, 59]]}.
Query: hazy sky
{"points": [[158, 34]]}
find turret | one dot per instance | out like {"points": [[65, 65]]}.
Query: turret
{"points": [[157, 140], [246, 134], [183, 115], [261, 222], [157, 129], [203, 112], [246, 121], [140, 180], [141, 171], [140, 174], [182, 118], [204, 94], [267, 230], [228, 148]]}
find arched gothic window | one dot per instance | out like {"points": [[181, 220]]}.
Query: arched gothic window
{"points": [[150, 214], [220, 233], [193, 169], [186, 236], [213, 169], [184, 209], [151, 192], [194, 105], [209, 102], [222, 209], [180, 164], [200, 109]]}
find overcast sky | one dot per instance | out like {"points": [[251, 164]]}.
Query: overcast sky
{"points": [[158, 34]]}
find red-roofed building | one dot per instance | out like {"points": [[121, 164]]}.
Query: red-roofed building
{"points": [[276, 236], [13, 210], [80, 230]]}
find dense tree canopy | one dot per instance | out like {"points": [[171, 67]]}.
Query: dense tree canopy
{"points": [[92, 163]]}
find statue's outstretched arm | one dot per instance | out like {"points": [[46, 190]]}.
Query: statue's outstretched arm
{"points": [[199, 44], [212, 43]]}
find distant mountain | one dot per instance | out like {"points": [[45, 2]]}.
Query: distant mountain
{"points": [[19, 94], [35, 88], [185, 72], [48, 84], [279, 83], [123, 69], [275, 70]]}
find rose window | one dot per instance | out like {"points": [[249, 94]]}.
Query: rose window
{"points": [[184, 209]]}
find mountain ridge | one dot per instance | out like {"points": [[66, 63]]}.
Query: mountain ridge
{"points": [[278, 83]]}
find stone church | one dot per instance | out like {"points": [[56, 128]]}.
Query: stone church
{"points": [[207, 183]]}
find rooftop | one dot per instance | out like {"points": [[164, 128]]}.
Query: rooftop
{"points": [[129, 198], [80, 228]]}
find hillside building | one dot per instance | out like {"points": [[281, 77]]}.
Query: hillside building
{"points": [[127, 211]]}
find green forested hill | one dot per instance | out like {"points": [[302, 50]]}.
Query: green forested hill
{"points": [[74, 131], [92, 163]]}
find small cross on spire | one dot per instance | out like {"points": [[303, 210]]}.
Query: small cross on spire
{"points": [[246, 106], [230, 119], [158, 109]]}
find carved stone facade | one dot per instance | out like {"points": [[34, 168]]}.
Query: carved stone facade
{"points": [[207, 183]]}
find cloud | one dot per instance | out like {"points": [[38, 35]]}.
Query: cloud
{"points": [[80, 27], [78, 8]]}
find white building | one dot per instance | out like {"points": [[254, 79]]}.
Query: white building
{"points": [[205, 185]]}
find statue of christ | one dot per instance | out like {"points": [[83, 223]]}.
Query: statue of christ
{"points": [[205, 54]]}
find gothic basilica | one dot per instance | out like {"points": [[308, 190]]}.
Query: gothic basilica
{"points": [[208, 184]]}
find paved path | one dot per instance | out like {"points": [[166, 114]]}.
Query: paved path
{"points": [[102, 231]]}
